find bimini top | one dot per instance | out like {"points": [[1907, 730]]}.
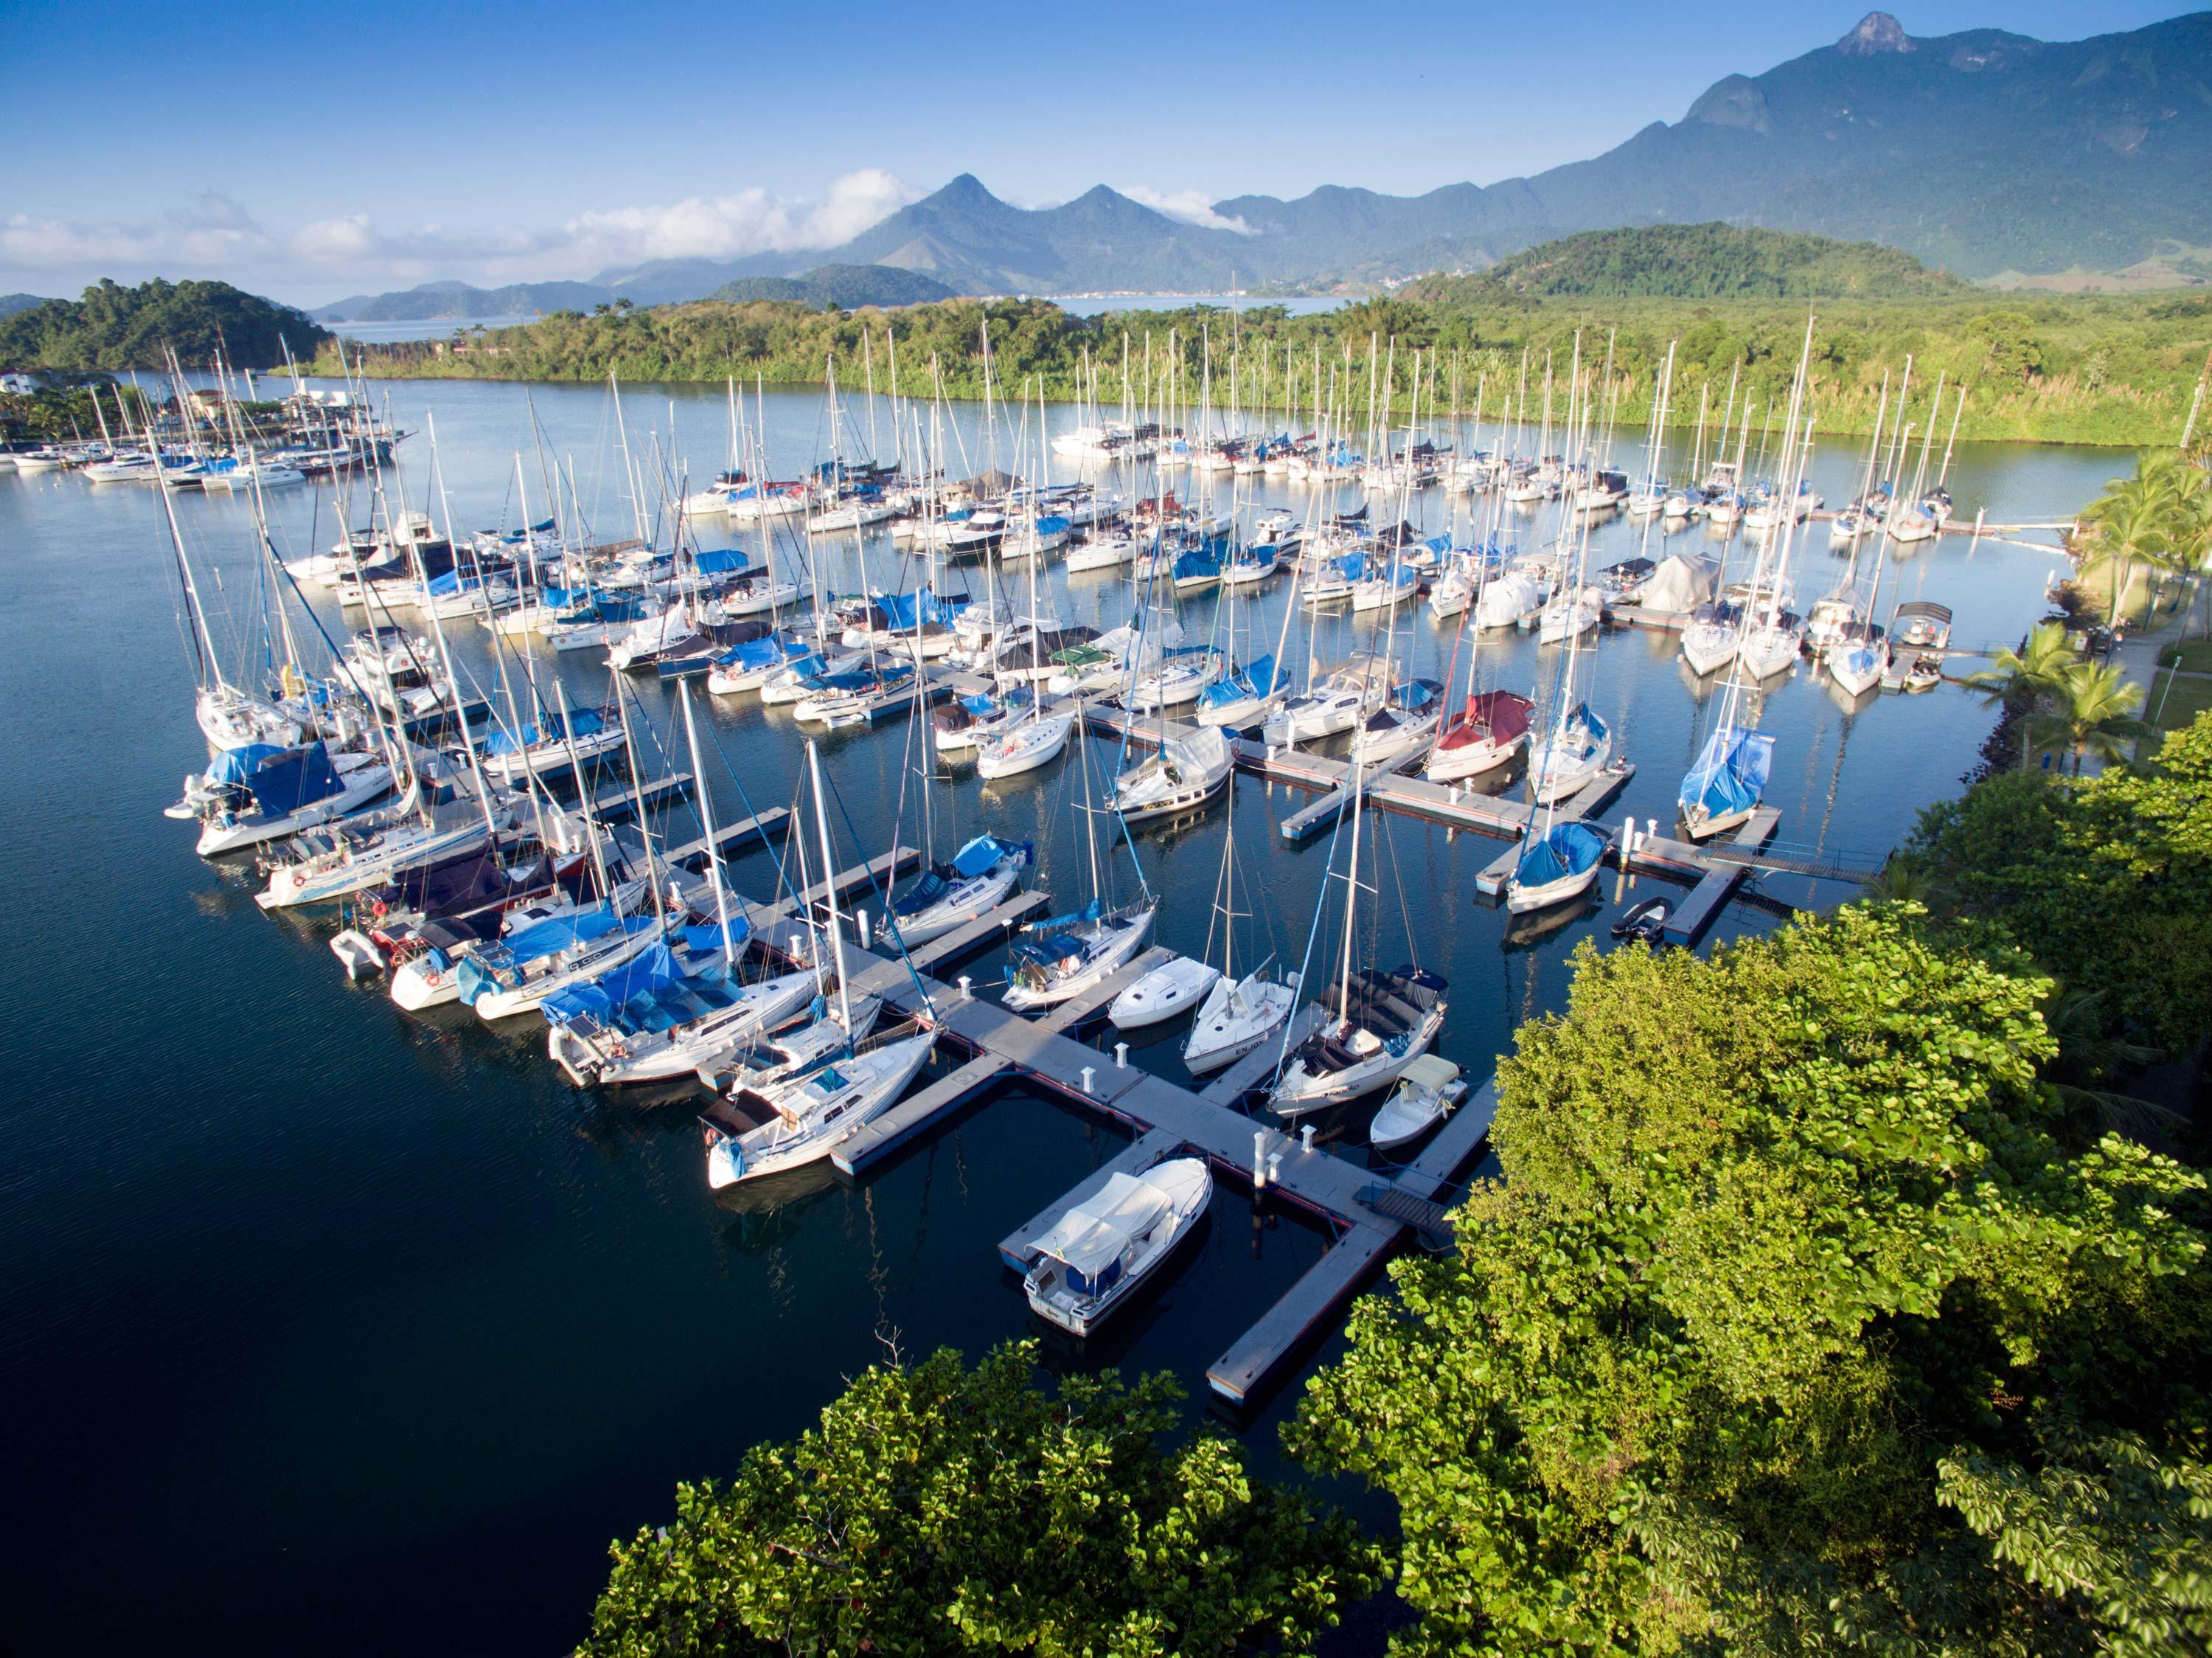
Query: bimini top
{"points": [[1094, 1233]]}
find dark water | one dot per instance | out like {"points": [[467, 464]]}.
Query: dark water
{"points": [[321, 1321]]}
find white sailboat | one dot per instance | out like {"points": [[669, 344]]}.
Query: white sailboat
{"points": [[804, 1116]]}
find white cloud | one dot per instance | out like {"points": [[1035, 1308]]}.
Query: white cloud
{"points": [[1191, 206], [753, 221], [214, 231], [216, 234]]}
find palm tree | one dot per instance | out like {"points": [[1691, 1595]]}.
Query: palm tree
{"points": [[1904, 878], [2021, 679], [2133, 523], [2095, 713]]}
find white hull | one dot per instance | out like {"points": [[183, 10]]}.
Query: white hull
{"points": [[362, 785], [1174, 988], [1035, 744], [1235, 1018], [822, 1116], [1520, 899], [1112, 953]]}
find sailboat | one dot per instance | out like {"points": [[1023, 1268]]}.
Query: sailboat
{"points": [[1376, 1023], [253, 795], [1184, 774], [804, 1115], [1724, 788], [1482, 736], [976, 878], [1237, 1015]]}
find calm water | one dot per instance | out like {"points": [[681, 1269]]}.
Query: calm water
{"points": [[322, 1319]]}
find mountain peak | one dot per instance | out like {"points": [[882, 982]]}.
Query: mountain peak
{"points": [[966, 190], [1878, 32]]}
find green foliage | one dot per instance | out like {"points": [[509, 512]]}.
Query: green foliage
{"points": [[937, 1510], [1783, 1237], [1713, 261], [117, 327], [841, 287], [63, 410], [2106, 881], [2010, 347], [1469, 331]]}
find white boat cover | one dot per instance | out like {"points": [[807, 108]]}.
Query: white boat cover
{"points": [[1680, 585], [1091, 1236]]}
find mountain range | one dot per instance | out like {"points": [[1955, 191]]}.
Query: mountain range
{"points": [[1983, 153]]}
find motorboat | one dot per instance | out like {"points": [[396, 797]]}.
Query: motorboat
{"points": [[1427, 1090], [976, 878], [1555, 865], [1482, 736], [1237, 1017], [1375, 1024], [1183, 776], [1646, 923], [1060, 958], [1091, 1259], [1175, 987]]}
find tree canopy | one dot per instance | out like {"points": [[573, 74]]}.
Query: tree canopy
{"points": [[1708, 261], [1795, 1325], [941, 1510], [116, 327]]}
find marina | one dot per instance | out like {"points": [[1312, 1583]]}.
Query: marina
{"points": [[584, 1217]]}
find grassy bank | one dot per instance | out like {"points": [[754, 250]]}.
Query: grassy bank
{"points": [[2090, 369]]}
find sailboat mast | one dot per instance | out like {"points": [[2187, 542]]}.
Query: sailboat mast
{"points": [[706, 822], [830, 885]]}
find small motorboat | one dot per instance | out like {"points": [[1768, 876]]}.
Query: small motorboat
{"points": [[1427, 1092], [1646, 923], [1095, 1256]]}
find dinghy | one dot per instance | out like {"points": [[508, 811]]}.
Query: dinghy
{"points": [[1430, 1088]]}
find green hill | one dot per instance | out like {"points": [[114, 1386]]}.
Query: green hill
{"points": [[847, 287], [118, 328], [1706, 261]]}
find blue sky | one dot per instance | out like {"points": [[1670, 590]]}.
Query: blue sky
{"points": [[311, 151]]}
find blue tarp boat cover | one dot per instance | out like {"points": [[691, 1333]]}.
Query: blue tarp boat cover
{"points": [[583, 722], [1044, 951], [1417, 693], [1207, 563], [707, 937], [641, 975], [1564, 849], [1052, 524], [980, 853], [908, 611], [764, 653], [1730, 774], [551, 937], [719, 561], [281, 780]]}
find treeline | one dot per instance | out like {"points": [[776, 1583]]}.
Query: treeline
{"points": [[1830, 1300], [2056, 368], [1708, 261], [112, 327]]}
